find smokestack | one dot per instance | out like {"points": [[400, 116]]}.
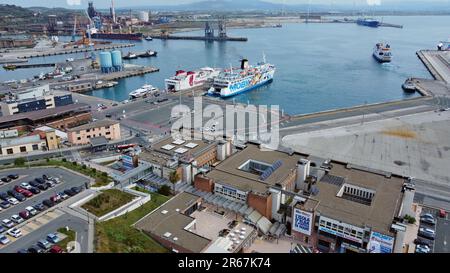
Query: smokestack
{"points": [[113, 12]]}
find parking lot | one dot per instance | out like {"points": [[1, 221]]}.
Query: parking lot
{"points": [[442, 229], [66, 180]]}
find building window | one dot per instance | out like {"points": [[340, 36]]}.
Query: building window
{"points": [[9, 151], [78, 138], [35, 147], [23, 149], [108, 133], [88, 130]]}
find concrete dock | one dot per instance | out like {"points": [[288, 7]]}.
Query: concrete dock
{"points": [[437, 62]]}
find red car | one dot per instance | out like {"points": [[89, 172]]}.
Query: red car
{"points": [[27, 193], [56, 249], [442, 213], [19, 189], [56, 198], [24, 214]]}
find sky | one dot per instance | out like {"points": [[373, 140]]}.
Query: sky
{"points": [[128, 3]]}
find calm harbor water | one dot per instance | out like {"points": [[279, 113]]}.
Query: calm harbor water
{"points": [[319, 66]]}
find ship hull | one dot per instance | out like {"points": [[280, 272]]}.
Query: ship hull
{"points": [[118, 36], [382, 59], [373, 24]]}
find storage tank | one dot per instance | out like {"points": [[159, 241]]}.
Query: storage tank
{"points": [[106, 62], [117, 60]]}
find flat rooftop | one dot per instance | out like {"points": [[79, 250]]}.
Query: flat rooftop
{"points": [[229, 172], [169, 222], [167, 148], [384, 206], [95, 124]]}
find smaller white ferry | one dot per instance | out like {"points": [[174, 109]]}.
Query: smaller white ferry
{"points": [[143, 91], [382, 53]]}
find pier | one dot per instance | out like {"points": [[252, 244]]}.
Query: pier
{"points": [[20, 66], [200, 38], [127, 73], [437, 63]]}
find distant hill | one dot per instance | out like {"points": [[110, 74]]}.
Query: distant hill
{"points": [[14, 11]]}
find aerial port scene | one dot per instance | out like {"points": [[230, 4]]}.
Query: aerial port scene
{"points": [[225, 126]]}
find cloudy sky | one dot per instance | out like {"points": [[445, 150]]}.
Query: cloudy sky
{"points": [[122, 3]]}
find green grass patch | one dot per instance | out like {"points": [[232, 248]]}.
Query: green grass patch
{"points": [[70, 237], [107, 201], [119, 236]]}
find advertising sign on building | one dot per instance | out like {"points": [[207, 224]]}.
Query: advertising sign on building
{"points": [[302, 221], [380, 243], [128, 162]]}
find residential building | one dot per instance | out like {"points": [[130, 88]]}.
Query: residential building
{"points": [[82, 135], [12, 146]]}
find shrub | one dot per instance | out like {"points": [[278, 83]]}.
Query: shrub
{"points": [[47, 159], [74, 163], [19, 161], [64, 160], [83, 167], [94, 170], [410, 219]]}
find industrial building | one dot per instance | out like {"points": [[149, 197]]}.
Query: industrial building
{"points": [[62, 118], [83, 134], [111, 61], [12, 43], [33, 99]]}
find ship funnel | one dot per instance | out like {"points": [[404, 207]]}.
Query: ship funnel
{"points": [[244, 64]]}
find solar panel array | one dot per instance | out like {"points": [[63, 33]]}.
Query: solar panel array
{"points": [[334, 180], [268, 172]]}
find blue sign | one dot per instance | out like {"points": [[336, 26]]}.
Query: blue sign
{"points": [[240, 85], [127, 162], [380, 243], [302, 221]]}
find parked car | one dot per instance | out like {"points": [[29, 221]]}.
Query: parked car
{"points": [[5, 204], [35, 249], [4, 240], [39, 207], [422, 249], [50, 184], [44, 244], [2, 229], [34, 190], [31, 210], [20, 197], [63, 195], [25, 185], [76, 190], [56, 249], [53, 238], [6, 179], [25, 214], [427, 215], [69, 192], [56, 198], [48, 203], [19, 189], [420, 241], [429, 221], [39, 180], [17, 219], [4, 196], [34, 184], [442, 213], [15, 232], [43, 187], [7, 223], [13, 201], [427, 233], [13, 176], [27, 193], [23, 251]]}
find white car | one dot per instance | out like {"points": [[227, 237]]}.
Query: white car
{"points": [[16, 219], [15, 232], [7, 223], [422, 249], [4, 240], [25, 186], [56, 180], [12, 201], [31, 210]]}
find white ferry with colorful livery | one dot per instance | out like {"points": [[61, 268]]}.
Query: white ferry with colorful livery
{"points": [[187, 80], [232, 82]]}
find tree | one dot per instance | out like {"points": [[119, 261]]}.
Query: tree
{"points": [[174, 177], [164, 190], [19, 161]]}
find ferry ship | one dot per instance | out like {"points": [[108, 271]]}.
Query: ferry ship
{"points": [[236, 81], [368, 22], [143, 91], [95, 34], [186, 80], [130, 56], [382, 53]]}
